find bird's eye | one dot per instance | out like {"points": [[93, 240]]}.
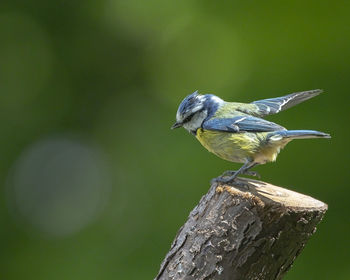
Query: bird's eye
{"points": [[188, 119]]}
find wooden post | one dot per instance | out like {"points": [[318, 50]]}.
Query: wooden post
{"points": [[250, 230]]}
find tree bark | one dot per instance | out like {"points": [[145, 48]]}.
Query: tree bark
{"points": [[250, 230]]}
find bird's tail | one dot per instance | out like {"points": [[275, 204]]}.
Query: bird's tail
{"points": [[297, 134]]}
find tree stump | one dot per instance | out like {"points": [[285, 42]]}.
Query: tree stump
{"points": [[248, 230]]}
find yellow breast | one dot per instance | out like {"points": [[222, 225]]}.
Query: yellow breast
{"points": [[236, 147], [239, 147]]}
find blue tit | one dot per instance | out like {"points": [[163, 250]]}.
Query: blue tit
{"points": [[236, 131]]}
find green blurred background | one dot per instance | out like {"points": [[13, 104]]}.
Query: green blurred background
{"points": [[94, 184]]}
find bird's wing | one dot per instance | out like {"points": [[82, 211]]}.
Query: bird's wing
{"points": [[274, 105], [241, 124]]}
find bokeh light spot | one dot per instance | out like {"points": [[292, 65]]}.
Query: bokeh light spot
{"points": [[59, 186]]}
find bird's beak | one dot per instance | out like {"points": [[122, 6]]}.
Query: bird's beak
{"points": [[176, 125]]}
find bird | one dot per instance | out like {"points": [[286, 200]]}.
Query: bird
{"points": [[237, 132]]}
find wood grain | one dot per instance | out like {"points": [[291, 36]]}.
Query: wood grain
{"points": [[249, 230]]}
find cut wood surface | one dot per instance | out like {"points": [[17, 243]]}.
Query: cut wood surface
{"points": [[247, 230]]}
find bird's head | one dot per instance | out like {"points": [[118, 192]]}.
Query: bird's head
{"points": [[194, 109]]}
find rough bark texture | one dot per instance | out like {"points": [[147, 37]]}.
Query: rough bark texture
{"points": [[252, 230]]}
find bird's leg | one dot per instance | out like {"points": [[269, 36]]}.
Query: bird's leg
{"points": [[251, 173], [246, 172], [243, 170]]}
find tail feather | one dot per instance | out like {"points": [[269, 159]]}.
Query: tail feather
{"points": [[297, 134], [275, 105]]}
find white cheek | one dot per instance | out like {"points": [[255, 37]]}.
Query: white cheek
{"points": [[196, 121]]}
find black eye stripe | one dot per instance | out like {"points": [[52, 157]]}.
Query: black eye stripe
{"points": [[191, 116], [188, 118]]}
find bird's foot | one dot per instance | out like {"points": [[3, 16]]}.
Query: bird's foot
{"points": [[248, 172], [226, 180], [222, 179], [230, 176]]}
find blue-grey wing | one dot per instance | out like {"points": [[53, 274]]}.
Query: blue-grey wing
{"points": [[275, 105], [241, 124]]}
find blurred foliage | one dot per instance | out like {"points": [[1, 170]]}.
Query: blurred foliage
{"points": [[107, 76]]}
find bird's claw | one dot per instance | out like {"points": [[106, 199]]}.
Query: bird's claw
{"points": [[252, 173], [221, 180], [227, 180], [248, 172]]}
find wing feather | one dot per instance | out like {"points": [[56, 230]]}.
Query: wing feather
{"points": [[241, 124], [275, 105]]}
